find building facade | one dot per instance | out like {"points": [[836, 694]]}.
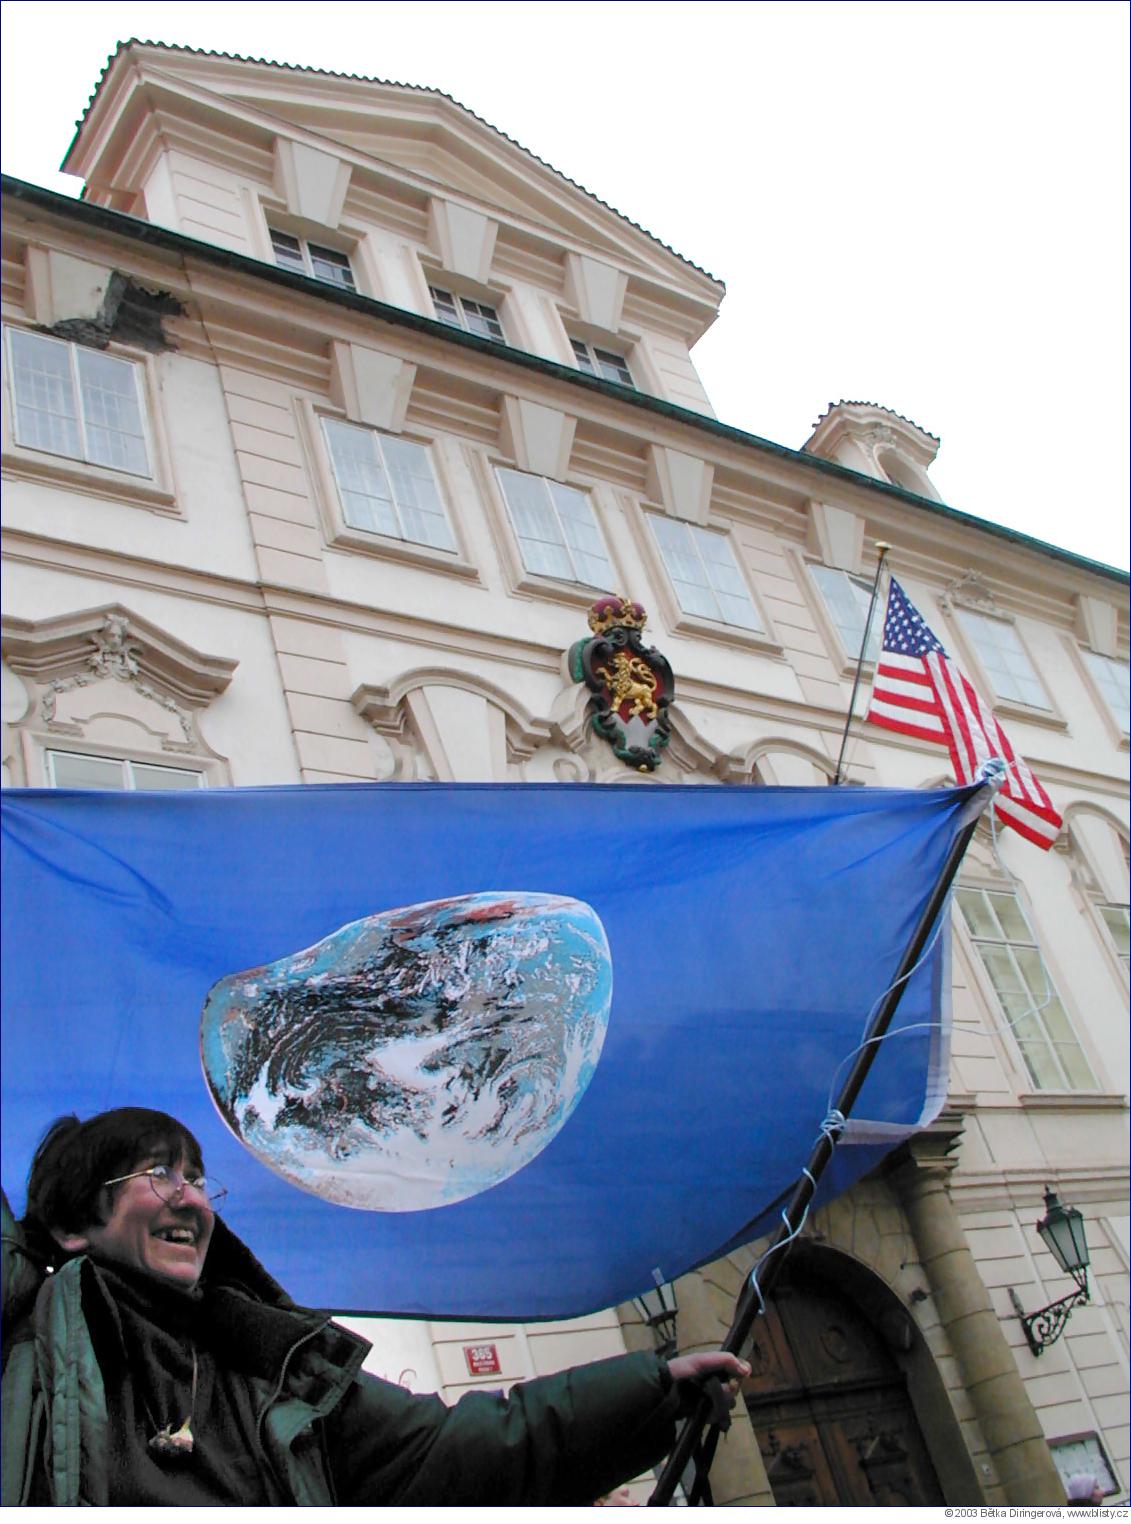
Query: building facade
{"points": [[328, 413]]}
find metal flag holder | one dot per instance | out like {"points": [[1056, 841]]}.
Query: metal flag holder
{"points": [[711, 1410], [882, 548]]}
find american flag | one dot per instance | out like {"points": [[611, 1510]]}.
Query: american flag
{"points": [[919, 691]]}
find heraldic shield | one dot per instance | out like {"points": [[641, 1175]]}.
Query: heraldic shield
{"points": [[632, 685]]}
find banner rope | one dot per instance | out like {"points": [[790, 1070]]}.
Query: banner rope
{"points": [[915, 1026]]}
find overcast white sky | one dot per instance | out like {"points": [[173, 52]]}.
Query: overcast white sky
{"points": [[918, 204]]}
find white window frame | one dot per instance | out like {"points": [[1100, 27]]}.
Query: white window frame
{"points": [[80, 401], [1099, 889], [341, 534], [309, 253], [972, 623], [531, 578], [34, 462], [594, 360], [127, 764], [849, 656], [458, 304], [695, 535], [380, 442], [1103, 675], [1039, 1010], [1111, 916]]}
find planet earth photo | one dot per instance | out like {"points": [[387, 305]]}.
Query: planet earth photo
{"points": [[418, 1056]]}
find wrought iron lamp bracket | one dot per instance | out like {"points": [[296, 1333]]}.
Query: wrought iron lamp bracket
{"points": [[1046, 1326]]}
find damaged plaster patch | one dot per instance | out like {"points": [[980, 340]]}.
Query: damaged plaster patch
{"points": [[129, 314]]}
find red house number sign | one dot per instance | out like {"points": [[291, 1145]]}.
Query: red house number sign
{"points": [[482, 1360]]}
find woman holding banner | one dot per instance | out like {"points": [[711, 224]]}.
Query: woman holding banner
{"points": [[149, 1359]]}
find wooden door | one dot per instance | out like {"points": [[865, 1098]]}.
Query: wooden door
{"points": [[830, 1408]]}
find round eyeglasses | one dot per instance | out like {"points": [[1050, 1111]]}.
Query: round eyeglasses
{"points": [[168, 1182]]}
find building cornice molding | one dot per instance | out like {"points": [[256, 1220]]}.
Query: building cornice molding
{"points": [[1021, 1189], [823, 723], [112, 641], [1074, 1102], [808, 471]]}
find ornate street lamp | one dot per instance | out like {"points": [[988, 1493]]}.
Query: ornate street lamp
{"points": [[657, 1307], [1062, 1230]]}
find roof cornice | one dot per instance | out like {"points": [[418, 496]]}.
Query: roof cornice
{"points": [[688, 290], [137, 230], [133, 54]]}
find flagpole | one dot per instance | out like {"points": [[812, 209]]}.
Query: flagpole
{"points": [[752, 1300], [883, 547]]}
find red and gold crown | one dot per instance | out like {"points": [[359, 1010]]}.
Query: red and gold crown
{"points": [[613, 610]]}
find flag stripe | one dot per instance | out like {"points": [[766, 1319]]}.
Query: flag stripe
{"points": [[931, 729], [918, 691], [1027, 823]]}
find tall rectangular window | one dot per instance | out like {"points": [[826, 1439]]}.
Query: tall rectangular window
{"points": [[73, 769], [704, 573], [386, 485], [1112, 679], [1004, 941], [555, 529], [847, 599], [78, 402], [1004, 658]]}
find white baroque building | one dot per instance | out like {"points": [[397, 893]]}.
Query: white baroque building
{"points": [[328, 412]]}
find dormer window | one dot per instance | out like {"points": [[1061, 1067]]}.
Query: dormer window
{"points": [[462, 312], [305, 258], [603, 363]]}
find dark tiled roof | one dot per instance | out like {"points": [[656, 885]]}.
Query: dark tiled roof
{"points": [[845, 402], [368, 79]]}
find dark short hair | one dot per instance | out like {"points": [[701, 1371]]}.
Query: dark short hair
{"points": [[75, 1159]]}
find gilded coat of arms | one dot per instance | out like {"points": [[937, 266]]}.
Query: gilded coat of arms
{"points": [[631, 684]]}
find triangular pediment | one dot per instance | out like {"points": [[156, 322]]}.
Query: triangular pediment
{"points": [[443, 156], [416, 134]]}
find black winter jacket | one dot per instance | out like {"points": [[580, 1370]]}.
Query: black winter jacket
{"points": [[330, 1433]]}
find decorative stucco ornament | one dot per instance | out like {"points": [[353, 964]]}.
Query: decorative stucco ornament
{"points": [[631, 684]]}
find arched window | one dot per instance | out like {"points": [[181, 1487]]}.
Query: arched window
{"points": [[1098, 856]]}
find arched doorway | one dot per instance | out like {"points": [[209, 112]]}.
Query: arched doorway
{"points": [[829, 1403]]}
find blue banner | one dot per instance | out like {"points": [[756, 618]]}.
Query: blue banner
{"points": [[476, 1051]]}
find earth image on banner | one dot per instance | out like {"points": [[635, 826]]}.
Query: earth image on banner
{"points": [[418, 1056]]}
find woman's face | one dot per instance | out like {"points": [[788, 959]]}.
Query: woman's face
{"points": [[167, 1240]]}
